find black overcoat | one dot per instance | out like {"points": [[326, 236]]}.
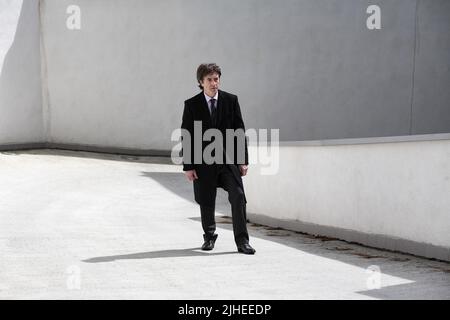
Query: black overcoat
{"points": [[228, 117]]}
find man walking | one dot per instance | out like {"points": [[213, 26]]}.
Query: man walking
{"points": [[216, 109]]}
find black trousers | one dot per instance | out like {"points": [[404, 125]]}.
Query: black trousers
{"points": [[238, 208]]}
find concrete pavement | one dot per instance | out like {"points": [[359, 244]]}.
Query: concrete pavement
{"points": [[78, 225]]}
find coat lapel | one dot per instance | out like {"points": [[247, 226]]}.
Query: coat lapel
{"points": [[220, 106], [206, 116]]}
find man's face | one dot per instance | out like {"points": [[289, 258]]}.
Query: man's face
{"points": [[210, 84]]}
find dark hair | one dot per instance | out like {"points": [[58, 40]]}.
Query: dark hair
{"points": [[207, 68]]}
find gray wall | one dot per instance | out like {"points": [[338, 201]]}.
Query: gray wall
{"points": [[431, 107], [20, 74], [308, 67]]}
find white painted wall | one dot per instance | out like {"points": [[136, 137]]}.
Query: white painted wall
{"points": [[20, 74], [9, 17], [399, 189]]}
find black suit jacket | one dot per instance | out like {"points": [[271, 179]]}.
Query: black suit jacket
{"points": [[228, 117]]}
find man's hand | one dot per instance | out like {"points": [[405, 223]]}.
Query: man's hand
{"points": [[243, 169], [191, 175]]}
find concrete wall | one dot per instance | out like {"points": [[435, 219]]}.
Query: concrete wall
{"points": [[20, 74], [431, 96], [310, 68], [390, 195]]}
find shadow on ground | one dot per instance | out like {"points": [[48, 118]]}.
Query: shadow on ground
{"points": [[91, 155], [189, 252], [390, 263], [178, 185]]}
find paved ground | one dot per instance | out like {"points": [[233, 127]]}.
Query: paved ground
{"points": [[88, 226]]}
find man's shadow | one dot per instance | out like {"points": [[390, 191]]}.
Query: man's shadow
{"points": [[189, 252], [175, 182]]}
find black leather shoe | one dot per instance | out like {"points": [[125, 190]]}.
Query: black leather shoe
{"points": [[246, 248], [209, 242]]}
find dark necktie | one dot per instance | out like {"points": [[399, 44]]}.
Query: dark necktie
{"points": [[213, 112]]}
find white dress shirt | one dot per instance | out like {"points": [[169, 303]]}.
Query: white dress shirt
{"points": [[208, 99]]}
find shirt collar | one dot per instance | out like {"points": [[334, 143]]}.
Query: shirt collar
{"points": [[209, 98]]}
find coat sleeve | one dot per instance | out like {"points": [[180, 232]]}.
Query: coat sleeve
{"points": [[239, 124], [187, 143]]}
